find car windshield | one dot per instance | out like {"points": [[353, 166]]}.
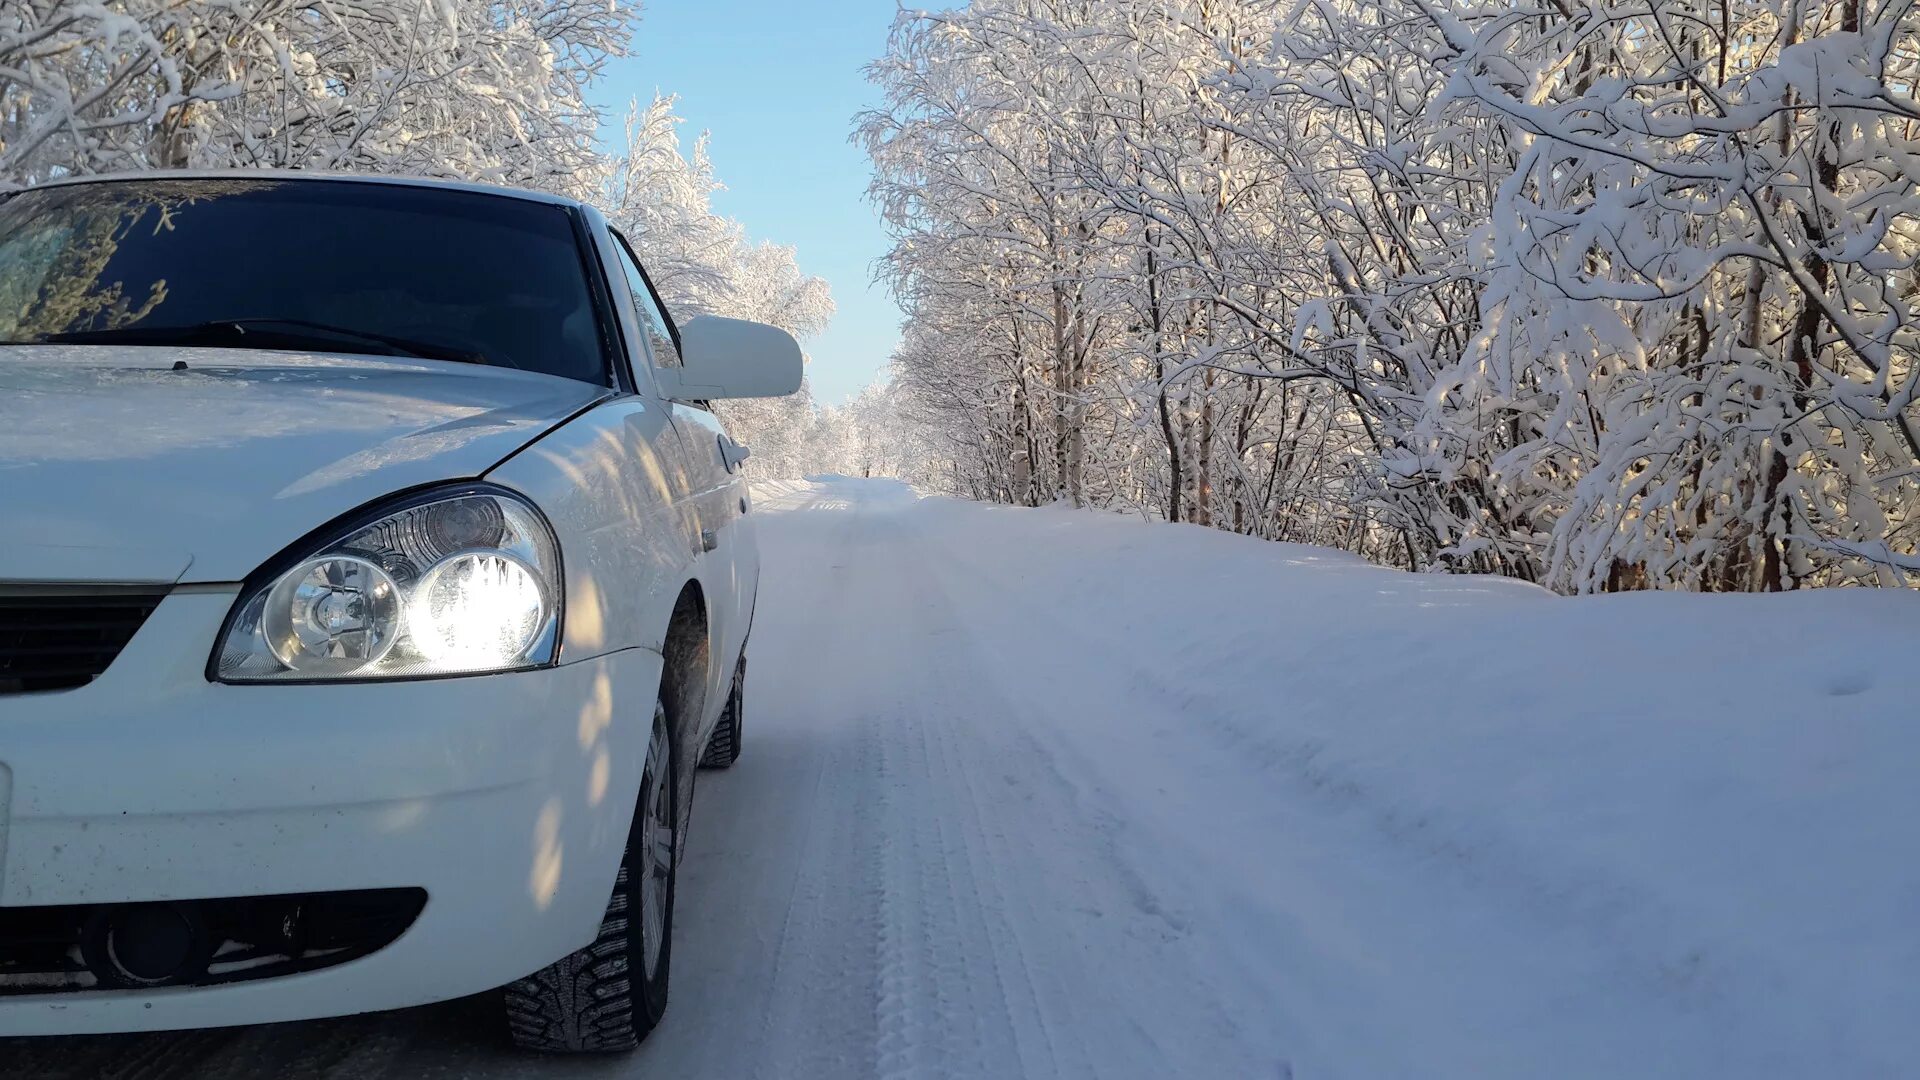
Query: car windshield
{"points": [[331, 266]]}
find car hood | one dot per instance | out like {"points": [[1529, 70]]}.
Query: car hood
{"points": [[117, 464]]}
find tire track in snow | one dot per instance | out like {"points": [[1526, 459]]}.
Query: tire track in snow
{"points": [[776, 952], [956, 993], [1022, 845], [932, 1023], [984, 844]]}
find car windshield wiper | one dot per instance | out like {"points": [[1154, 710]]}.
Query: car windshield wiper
{"points": [[269, 334]]}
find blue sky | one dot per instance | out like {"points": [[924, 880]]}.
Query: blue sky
{"points": [[777, 85]]}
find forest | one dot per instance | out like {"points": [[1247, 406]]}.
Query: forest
{"points": [[1603, 295]]}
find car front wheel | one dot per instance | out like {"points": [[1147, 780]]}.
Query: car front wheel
{"points": [[609, 995]]}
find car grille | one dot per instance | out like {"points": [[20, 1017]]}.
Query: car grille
{"points": [[58, 639]]}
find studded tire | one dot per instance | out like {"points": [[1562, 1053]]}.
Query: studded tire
{"points": [[591, 1000], [723, 746]]}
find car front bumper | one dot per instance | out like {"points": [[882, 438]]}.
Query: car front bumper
{"points": [[505, 797]]}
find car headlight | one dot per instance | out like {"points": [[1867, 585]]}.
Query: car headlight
{"points": [[452, 583]]}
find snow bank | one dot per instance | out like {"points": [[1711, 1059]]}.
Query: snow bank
{"points": [[1485, 828]]}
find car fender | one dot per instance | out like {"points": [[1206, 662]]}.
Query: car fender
{"points": [[612, 497], [611, 482]]}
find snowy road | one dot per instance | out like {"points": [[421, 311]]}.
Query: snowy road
{"points": [[994, 818]]}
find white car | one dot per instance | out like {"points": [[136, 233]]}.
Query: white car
{"points": [[372, 578]]}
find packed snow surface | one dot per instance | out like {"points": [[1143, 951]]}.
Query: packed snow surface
{"points": [[1054, 793]]}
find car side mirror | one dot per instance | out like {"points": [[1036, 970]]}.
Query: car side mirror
{"points": [[732, 358]]}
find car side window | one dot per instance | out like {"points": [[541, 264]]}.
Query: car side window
{"points": [[661, 335]]}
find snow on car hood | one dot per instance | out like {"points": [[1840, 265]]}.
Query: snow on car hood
{"points": [[116, 467]]}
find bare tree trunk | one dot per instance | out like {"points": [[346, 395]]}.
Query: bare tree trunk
{"points": [[1156, 319], [1024, 487], [1203, 471]]}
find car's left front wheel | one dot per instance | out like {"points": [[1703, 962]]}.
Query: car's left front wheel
{"points": [[610, 994]]}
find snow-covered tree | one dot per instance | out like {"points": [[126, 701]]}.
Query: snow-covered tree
{"points": [[489, 90], [661, 199], [1605, 294]]}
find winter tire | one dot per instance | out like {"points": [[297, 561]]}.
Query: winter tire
{"points": [[590, 1000], [723, 746]]}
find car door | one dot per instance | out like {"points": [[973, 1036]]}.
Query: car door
{"points": [[715, 496]]}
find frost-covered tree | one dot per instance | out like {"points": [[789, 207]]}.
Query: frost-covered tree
{"points": [[1605, 295], [489, 90], [661, 199]]}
